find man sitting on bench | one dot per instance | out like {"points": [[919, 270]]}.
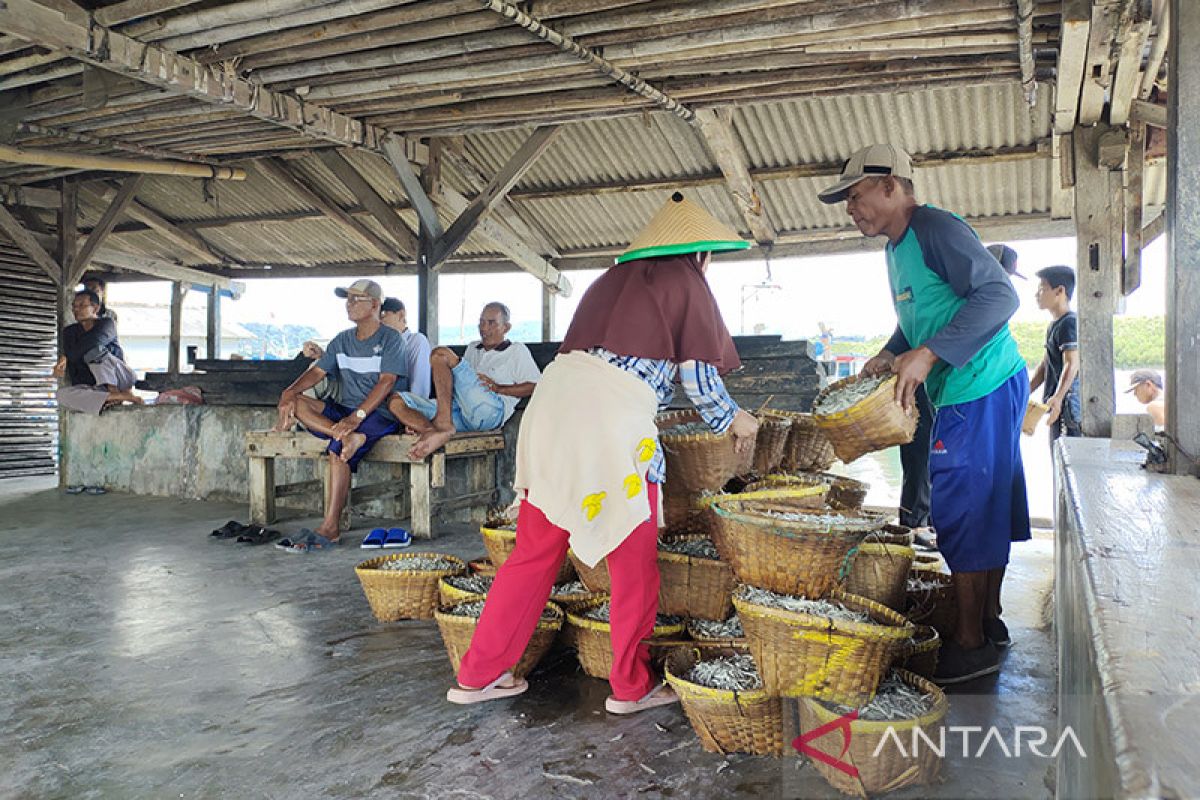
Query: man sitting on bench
{"points": [[367, 361], [475, 393]]}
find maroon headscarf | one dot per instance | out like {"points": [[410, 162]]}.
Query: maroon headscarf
{"points": [[657, 308]]}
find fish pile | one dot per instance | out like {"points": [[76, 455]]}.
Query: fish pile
{"points": [[895, 700], [573, 587], [601, 611], [717, 628], [475, 608], [817, 608], [686, 429], [847, 395], [814, 520], [694, 548], [476, 584], [736, 673], [918, 584], [420, 564]]}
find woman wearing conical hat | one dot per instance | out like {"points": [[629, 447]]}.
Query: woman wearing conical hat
{"points": [[589, 465]]}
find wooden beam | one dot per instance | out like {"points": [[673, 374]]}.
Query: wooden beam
{"points": [[1132, 33], [166, 270], [716, 131], [1025, 9], [121, 200], [1148, 113], [1161, 20], [411, 183], [135, 9], [1097, 205], [1135, 164], [1097, 65], [169, 230], [86, 161], [29, 245], [1183, 239], [433, 187], [175, 337], [212, 329], [1154, 229], [1072, 52], [380, 209], [548, 303], [29, 196], [103, 47], [279, 171], [494, 192]]}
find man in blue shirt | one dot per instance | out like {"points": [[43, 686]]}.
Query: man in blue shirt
{"points": [[953, 302], [367, 361]]}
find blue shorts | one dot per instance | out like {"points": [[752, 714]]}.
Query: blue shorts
{"points": [[474, 407], [978, 501], [374, 427]]}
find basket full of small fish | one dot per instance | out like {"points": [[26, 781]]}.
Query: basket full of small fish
{"points": [[859, 415], [693, 580], [457, 625], [723, 697], [698, 460], [405, 585]]}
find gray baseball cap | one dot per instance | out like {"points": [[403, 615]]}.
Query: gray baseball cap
{"points": [[875, 161], [362, 286]]}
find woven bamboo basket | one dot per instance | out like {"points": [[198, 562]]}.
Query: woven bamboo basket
{"points": [[789, 497], [808, 449], [920, 654], [893, 534], [774, 431], [568, 602], [449, 595], [726, 721], [937, 605], [500, 542], [801, 655], [881, 766], [458, 630], [595, 578], [1034, 411], [698, 462], [399, 594], [590, 638], [702, 639], [807, 556], [683, 516], [482, 566], [843, 494], [694, 587], [879, 572], [873, 423]]}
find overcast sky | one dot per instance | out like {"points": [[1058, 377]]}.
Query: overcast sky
{"points": [[846, 292]]}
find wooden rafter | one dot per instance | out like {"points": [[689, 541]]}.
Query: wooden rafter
{"points": [[120, 202], [718, 134], [29, 245], [94, 44], [410, 181], [379, 208], [1072, 53], [312, 196], [492, 194], [188, 240]]}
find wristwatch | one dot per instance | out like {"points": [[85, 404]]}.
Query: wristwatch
{"points": [[359, 414]]}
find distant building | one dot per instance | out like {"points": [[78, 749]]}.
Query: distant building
{"points": [[144, 330]]}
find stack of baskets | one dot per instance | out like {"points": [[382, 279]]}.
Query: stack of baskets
{"points": [[699, 462], [872, 423]]}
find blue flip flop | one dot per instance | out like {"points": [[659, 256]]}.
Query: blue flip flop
{"points": [[313, 543], [397, 537], [374, 540]]}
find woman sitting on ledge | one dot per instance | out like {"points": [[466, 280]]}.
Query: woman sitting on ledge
{"points": [[92, 361]]}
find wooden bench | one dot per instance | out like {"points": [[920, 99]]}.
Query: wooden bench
{"points": [[424, 476]]}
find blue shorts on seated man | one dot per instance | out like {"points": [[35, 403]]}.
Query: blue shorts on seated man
{"points": [[474, 406], [374, 427]]}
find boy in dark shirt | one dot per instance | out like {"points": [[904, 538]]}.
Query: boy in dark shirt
{"points": [[1059, 370]]}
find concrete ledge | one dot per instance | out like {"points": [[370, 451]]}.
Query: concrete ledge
{"points": [[1127, 563]]}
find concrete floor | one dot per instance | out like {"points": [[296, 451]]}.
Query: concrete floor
{"points": [[141, 659]]}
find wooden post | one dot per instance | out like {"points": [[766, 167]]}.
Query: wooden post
{"points": [[262, 490], [1097, 199], [1183, 237], [68, 242], [1135, 162], [427, 276], [174, 340], [547, 314], [421, 520], [213, 334]]}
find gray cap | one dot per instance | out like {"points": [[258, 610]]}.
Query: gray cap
{"points": [[362, 286], [1007, 258], [876, 161], [1143, 375]]}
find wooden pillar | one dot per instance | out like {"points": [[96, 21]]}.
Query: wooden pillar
{"points": [[213, 335], [548, 303], [68, 241], [1099, 222], [427, 276], [1183, 236], [175, 338]]}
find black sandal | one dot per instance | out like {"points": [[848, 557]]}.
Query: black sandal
{"points": [[229, 530], [257, 534]]}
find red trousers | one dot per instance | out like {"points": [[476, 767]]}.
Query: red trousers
{"points": [[523, 585]]}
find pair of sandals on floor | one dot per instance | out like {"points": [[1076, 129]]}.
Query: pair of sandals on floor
{"points": [[93, 490], [246, 534], [508, 686]]}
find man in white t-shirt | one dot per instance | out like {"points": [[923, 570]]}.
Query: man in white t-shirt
{"points": [[477, 392]]}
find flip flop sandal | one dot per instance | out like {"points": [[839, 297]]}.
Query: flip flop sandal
{"points": [[374, 540], [397, 537], [229, 530], [313, 543], [73, 490], [493, 691], [95, 490], [652, 700], [257, 534]]}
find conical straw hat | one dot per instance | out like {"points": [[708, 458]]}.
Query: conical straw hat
{"points": [[680, 227]]}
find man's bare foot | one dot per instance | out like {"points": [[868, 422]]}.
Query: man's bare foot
{"points": [[430, 441], [350, 444]]}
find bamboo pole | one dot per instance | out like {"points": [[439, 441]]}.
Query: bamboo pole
{"points": [[59, 158], [80, 138]]}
